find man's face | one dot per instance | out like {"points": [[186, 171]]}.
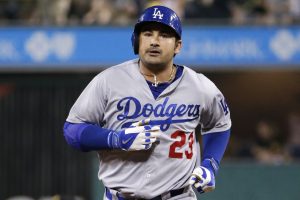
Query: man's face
{"points": [[157, 45]]}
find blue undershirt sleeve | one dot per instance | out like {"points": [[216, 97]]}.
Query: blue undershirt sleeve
{"points": [[86, 137], [214, 146]]}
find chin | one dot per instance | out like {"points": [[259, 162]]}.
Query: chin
{"points": [[153, 63]]}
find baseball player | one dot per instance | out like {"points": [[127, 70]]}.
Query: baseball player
{"points": [[140, 116]]}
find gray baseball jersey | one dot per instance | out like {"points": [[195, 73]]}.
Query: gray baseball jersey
{"points": [[120, 95]]}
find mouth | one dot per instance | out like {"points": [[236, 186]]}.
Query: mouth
{"points": [[154, 52]]}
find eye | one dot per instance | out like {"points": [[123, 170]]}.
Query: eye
{"points": [[147, 33], [166, 35]]}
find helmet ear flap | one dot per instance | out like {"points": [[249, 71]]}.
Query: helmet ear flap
{"points": [[135, 43]]}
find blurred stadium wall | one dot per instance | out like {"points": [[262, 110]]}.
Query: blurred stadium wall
{"points": [[43, 70]]}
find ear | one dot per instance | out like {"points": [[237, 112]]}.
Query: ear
{"points": [[178, 45]]}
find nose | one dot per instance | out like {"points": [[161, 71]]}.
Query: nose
{"points": [[154, 40]]}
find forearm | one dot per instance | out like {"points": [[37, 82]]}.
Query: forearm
{"points": [[214, 146], [87, 137]]}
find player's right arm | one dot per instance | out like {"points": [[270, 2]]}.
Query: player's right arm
{"points": [[88, 137], [82, 128]]}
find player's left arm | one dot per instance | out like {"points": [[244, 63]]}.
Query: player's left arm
{"points": [[215, 124]]}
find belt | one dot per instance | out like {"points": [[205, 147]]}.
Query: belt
{"points": [[173, 193], [170, 194]]}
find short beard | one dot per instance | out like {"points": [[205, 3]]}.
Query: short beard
{"points": [[155, 67]]}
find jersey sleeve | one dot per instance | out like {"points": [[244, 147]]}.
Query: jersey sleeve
{"points": [[215, 116], [90, 105]]}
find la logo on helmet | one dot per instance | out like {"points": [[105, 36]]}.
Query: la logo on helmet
{"points": [[157, 13]]}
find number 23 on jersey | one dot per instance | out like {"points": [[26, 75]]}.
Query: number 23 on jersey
{"points": [[176, 150]]}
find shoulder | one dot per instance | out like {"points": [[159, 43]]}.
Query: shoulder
{"points": [[201, 82], [115, 71]]}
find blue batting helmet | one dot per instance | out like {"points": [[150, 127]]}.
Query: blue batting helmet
{"points": [[160, 14]]}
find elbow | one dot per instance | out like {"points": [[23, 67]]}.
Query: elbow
{"points": [[71, 136]]}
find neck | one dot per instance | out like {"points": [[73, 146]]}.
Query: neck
{"points": [[158, 74]]}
